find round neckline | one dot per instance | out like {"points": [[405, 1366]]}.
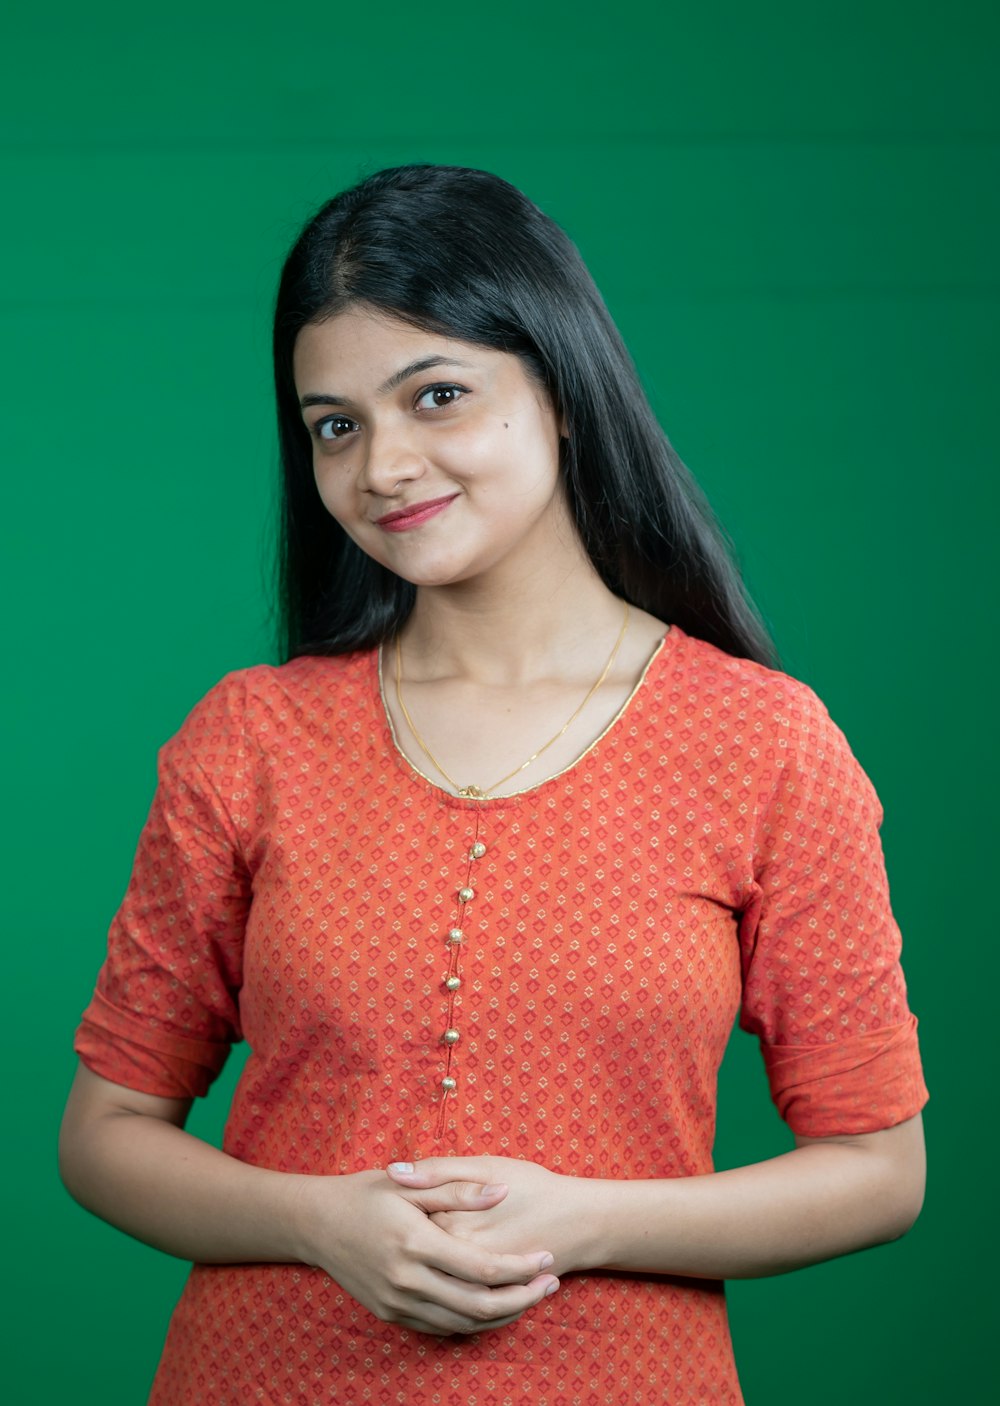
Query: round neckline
{"points": [[409, 768]]}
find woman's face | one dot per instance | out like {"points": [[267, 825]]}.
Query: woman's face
{"points": [[440, 458]]}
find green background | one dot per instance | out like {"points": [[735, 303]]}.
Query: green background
{"points": [[792, 211]]}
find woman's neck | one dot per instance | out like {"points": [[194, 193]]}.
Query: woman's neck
{"points": [[511, 633]]}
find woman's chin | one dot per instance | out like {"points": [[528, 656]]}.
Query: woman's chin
{"points": [[427, 575]]}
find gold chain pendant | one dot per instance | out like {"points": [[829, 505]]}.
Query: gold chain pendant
{"points": [[475, 793]]}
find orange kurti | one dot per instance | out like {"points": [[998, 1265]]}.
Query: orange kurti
{"points": [[300, 884]]}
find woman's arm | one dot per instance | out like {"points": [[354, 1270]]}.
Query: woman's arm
{"points": [[125, 1156], [827, 1197]]}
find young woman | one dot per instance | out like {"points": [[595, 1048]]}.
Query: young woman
{"points": [[483, 873]]}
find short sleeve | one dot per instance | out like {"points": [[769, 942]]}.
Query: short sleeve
{"points": [[166, 1007], [822, 984]]}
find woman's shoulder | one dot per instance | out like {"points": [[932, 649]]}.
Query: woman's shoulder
{"points": [[772, 725], [307, 676], [264, 700], [708, 674]]}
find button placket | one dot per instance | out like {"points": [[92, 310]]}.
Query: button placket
{"points": [[451, 1035]]}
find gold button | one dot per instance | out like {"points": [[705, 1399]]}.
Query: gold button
{"points": [[455, 935], [451, 1037], [478, 850], [465, 894], [448, 1083], [452, 982]]}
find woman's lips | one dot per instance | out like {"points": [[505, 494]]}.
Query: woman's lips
{"points": [[404, 518]]}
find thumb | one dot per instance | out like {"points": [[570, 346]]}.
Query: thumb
{"points": [[449, 1195], [435, 1171]]}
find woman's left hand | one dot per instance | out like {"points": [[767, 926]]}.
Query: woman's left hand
{"points": [[541, 1208]]}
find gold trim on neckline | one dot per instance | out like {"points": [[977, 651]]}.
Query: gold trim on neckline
{"points": [[525, 790]]}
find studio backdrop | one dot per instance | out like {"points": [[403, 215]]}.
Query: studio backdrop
{"points": [[792, 213]]}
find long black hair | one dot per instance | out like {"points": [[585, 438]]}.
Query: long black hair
{"points": [[464, 254]]}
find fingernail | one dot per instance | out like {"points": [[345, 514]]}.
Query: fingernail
{"points": [[551, 1289], [492, 1190], [546, 1261], [404, 1167]]}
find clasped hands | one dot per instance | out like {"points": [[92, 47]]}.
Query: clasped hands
{"points": [[450, 1245]]}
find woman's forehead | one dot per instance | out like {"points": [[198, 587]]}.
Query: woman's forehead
{"points": [[368, 345]]}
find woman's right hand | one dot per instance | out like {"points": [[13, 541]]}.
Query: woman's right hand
{"points": [[125, 1156], [377, 1241]]}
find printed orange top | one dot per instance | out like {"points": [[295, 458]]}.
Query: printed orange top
{"points": [[300, 885]]}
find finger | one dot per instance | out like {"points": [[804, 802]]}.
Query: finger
{"points": [[466, 1327], [457, 1309], [458, 1223], [456, 1196], [465, 1260], [498, 1307], [435, 1171]]}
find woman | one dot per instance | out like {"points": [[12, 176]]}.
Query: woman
{"points": [[483, 873]]}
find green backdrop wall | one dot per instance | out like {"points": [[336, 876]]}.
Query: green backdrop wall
{"points": [[792, 211]]}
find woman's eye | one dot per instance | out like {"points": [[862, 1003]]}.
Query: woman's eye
{"points": [[436, 397], [335, 427]]}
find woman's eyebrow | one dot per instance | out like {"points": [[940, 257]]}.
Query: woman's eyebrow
{"points": [[424, 363]]}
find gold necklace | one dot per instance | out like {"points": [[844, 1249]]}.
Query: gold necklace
{"points": [[476, 793]]}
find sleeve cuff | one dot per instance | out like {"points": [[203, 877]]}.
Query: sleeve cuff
{"points": [[859, 1085], [130, 1051]]}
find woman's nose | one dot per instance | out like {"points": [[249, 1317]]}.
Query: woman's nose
{"points": [[392, 458]]}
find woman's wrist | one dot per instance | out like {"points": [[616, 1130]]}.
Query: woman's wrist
{"points": [[308, 1215], [609, 1221], [585, 1218]]}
